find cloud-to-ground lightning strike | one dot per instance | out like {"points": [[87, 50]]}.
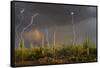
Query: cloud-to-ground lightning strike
{"points": [[54, 36], [73, 27], [29, 24], [47, 36], [34, 23], [74, 34], [21, 13]]}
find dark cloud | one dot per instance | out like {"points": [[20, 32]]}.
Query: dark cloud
{"points": [[56, 18], [51, 14]]}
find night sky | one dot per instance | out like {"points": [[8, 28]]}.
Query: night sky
{"points": [[50, 18]]}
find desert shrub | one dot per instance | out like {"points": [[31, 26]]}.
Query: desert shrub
{"points": [[22, 54], [18, 55], [63, 52], [57, 54], [36, 53]]}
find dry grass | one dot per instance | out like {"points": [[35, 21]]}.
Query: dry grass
{"points": [[85, 52]]}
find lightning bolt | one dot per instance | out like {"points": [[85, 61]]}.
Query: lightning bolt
{"points": [[47, 36], [34, 24], [16, 30], [73, 25], [29, 24]]}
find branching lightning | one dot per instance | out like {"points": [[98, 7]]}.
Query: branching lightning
{"points": [[21, 12], [28, 24]]}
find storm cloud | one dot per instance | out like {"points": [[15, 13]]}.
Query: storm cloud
{"points": [[55, 17]]}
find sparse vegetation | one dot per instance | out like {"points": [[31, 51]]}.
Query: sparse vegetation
{"points": [[85, 52]]}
